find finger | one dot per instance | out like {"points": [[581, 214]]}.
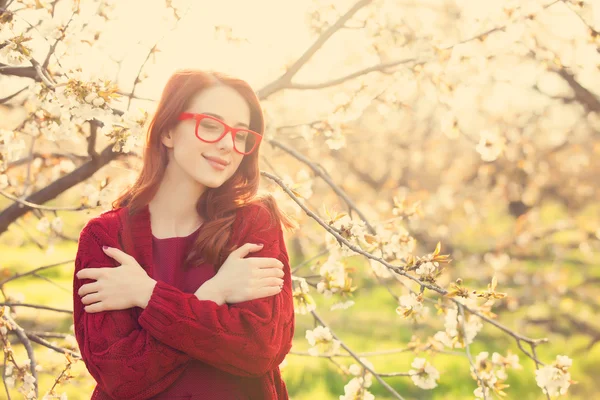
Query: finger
{"points": [[267, 291], [273, 272], [246, 249], [265, 262], [91, 298], [117, 254], [88, 288], [90, 273], [94, 308], [271, 282]]}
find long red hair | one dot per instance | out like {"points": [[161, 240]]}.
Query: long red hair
{"points": [[216, 206]]}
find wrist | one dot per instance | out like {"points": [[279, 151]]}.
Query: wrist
{"points": [[210, 291], [146, 293]]}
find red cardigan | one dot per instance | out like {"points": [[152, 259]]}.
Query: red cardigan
{"points": [[138, 353]]}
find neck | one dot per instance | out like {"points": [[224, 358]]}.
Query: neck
{"points": [[173, 207]]}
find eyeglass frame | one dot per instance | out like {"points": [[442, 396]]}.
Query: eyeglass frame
{"points": [[199, 117]]}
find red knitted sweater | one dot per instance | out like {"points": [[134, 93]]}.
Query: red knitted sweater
{"points": [[138, 353]]}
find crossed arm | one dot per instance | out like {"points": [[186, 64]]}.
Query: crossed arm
{"points": [[135, 353]]}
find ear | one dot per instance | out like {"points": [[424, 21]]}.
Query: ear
{"points": [[168, 138]]}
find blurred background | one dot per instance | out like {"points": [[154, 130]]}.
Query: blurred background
{"points": [[473, 124]]}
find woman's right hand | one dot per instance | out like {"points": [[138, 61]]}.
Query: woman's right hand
{"points": [[242, 279]]}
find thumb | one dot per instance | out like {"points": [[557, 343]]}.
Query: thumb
{"points": [[248, 248]]}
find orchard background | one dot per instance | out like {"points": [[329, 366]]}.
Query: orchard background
{"points": [[440, 156]]}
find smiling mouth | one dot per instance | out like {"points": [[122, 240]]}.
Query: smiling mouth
{"points": [[216, 160], [215, 164]]}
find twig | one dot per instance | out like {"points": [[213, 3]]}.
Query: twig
{"points": [[4, 376], [397, 269], [325, 177], [308, 261], [40, 307], [286, 78], [34, 271], [59, 186], [462, 325], [8, 98], [20, 332], [358, 360], [39, 340], [356, 74], [40, 207], [537, 367]]}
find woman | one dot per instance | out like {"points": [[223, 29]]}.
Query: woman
{"points": [[183, 290]]}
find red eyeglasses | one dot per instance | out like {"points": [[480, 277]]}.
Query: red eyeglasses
{"points": [[210, 130]]}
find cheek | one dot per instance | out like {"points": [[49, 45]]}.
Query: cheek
{"points": [[237, 161]]}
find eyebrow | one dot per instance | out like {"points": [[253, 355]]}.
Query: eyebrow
{"points": [[221, 118]]}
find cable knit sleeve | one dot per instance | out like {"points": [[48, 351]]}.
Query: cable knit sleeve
{"points": [[245, 339], [124, 359]]}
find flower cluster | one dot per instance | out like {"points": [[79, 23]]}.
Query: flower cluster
{"points": [[322, 341], [356, 389], [424, 375], [14, 50], [453, 336], [411, 305], [491, 374], [335, 279], [354, 231], [555, 379], [490, 146], [303, 302]]}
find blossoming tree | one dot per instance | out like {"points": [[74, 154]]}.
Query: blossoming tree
{"points": [[442, 122]]}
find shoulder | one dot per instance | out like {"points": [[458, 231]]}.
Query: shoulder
{"points": [[258, 212], [257, 217], [104, 224]]}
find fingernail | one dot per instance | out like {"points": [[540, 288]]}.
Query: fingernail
{"points": [[260, 244], [104, 247]]}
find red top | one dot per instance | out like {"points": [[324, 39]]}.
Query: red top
{"points": [[180, 347]]}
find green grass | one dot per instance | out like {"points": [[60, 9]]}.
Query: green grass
{"points": [[370, 325]]}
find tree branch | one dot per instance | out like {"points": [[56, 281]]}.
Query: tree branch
{"points": [[37, 306], [17, 210], [8, 98], [283, 81], [375, 68]]}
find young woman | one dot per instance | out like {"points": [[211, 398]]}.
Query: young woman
{"points": [[183, 290]]}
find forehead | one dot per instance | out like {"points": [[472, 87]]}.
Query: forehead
{"points": [[223, 101]]}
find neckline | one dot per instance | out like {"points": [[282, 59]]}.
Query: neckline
{"points": [[177, 237]]}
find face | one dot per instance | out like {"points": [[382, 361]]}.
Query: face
{"points": [[192, 156]]}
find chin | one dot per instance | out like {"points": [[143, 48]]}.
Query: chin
{"points": [[212, 184]]}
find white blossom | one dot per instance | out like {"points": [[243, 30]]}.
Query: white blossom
{"points": [[13, 147], [43, 225], [303, 301], [424, 375], [426, 268], [10, 382], [57, 224], [552, 380], [490, 146], [479, 393], [3, 181], [342, 305], [410, 305], [322, 341], [356, 390], [453, 322]]}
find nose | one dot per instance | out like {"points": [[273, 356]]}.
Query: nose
{"points": [[226, 142]]}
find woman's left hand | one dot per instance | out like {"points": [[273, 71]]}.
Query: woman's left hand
{"points": [[119, 288]]}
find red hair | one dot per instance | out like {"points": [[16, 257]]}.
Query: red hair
{"points": [[216, 206]]}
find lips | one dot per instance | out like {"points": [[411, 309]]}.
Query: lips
{"points": [[217, 160]]}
